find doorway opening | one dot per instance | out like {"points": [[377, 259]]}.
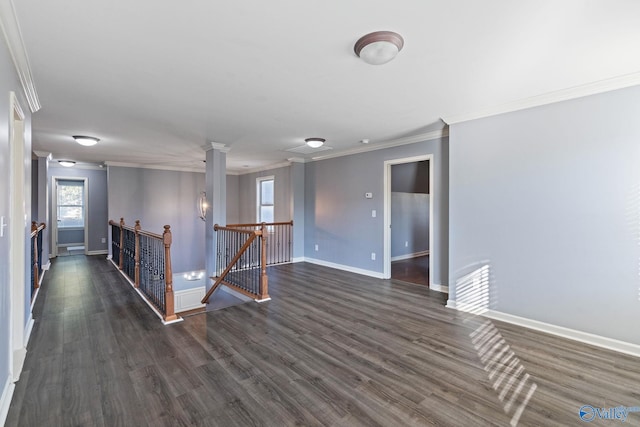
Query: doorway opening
{"points": [[408, 209], [70, 225]]}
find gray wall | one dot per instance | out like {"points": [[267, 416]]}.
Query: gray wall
{"points": [[338, 217], [97, 217], [282, 189], [159, 197], [70, 236], [409, 223], [549, 198], [233, 199], [9, 82]]}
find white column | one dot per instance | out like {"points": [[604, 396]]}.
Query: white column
{"points": [[216, 189]]}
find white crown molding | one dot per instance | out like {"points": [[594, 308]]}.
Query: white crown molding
{"points": [[428, 136], [260, 168], [156, 167], [216, 146], [43, 154], [594, 88], [15, 43], [297, 160]]}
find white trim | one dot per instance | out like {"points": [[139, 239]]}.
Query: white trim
{"points": [[18, 227], [216, 146], [5, 400], [387, 209], [66, 245], [264, 168], [409, 256], [262, 300], [100, 252], [155, 167], [593, 88], [27, 332], [428, 136], [343, 267], [298, 259], [54, 212], [15, 43], [439, 288], [188, 299], [561, 331]]}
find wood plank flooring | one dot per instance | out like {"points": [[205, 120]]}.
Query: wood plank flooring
{"points": [[412, 270], [330, 349]]}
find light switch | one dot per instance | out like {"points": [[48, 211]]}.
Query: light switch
{"points": [[373, 213]]}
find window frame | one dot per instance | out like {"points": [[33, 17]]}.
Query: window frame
{"points": [[259, 203]]}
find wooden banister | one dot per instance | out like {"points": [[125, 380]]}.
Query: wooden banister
{"points": [[253, 235], [168, 275]]}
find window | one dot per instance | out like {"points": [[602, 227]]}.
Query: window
{"points": [[70, 204], [265, 193]]}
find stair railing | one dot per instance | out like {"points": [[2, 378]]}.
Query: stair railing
{"points": [[241, 260], [279, 244], [144, 258], [36, 255]]}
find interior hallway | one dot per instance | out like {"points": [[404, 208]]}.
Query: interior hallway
{"points": [[332, 348]]}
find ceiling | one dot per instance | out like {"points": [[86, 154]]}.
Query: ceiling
{"points": [[157, 81]]}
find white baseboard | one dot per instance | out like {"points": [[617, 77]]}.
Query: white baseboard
{"points": [[298, 259], [46, 267], [376, 274], [440, 288], [409, 256], [5, 399], [28, 329], [102, 252], [188, 299], [19, 356], [561, 331]]}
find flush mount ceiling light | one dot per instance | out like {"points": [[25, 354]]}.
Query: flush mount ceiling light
{"points": [[87, 141], [379, 47], [67, 163], [315, 142]]}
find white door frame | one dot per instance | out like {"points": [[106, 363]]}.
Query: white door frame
{"points": [[54, 211], [387, 211], [18, 221]]}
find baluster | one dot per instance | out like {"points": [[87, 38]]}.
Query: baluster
{"points": [[121, 252], [136, 281]]}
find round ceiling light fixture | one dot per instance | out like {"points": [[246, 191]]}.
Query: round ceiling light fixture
{"points": [[379, 47], [87, 141], [315, 142], [67, 163]]}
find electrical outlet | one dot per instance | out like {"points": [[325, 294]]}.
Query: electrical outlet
{"points": [[104, 240], [373, 256], [316, 247]]}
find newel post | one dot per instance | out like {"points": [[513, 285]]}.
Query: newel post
{"points": [[137, 254], [168, 276], [264, 280], [121, 244], [34, 255]]}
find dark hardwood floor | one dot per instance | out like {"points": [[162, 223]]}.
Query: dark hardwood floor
{"points": [[331, 348], [412, 270]]}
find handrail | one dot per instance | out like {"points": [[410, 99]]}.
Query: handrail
{"points": [[259, 224], [36, 252], [145, 259], [261, 293]]}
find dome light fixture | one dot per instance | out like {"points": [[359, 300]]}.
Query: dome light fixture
{"points": [[67, 163], [379, 47], [315, 142], [87, 141]]}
